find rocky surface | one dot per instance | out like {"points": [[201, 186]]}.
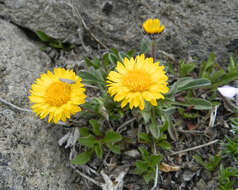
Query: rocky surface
{"points": [[29, 155], [30, 158], [193, 27]]}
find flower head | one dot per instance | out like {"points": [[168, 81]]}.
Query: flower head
{"points": [[57, 94], [152, 26], [137, 80]]}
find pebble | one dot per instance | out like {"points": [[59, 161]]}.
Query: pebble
{"points": [[132, 153], [188, 175]]}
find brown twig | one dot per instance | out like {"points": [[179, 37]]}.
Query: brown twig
{"points": [[169, 56], [77, 14], [14, 106], [85, 176], [91, 34], [153, 49], [194, 148], [190, 131], [119, 129]]}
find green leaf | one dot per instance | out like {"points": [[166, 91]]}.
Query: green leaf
{"points": [[165, 125], [211, 164], [122, 55], [226, 79], [172, 89], [198, 103], [112, 137], [88, 141], [232, 65], [146, 116], [114, 148], [198, 159], [84, 131], [144, 153], [96, 127], [141, 167], [90, 77], [216, 75], [56, 44], [98, 150], [131, 53], [143, 137], [169, 110], [190, 83], [187, 115], [112, 58], [205, 66], [96, 63], [165, 145], [105, 61], [88, 62], [148, 177], [43, 36], [186, 69], [114, 51], [82, 158], [168, 126], [144, 47], [99, 75], [155, 130], [154, 160], [53, 42]]}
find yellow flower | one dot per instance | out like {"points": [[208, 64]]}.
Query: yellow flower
{"points": [[152, 26], [137, 80], [57, 94]]}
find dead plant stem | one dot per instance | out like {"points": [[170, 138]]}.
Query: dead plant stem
{"points": [[86, 177], [14, 106], [194, 148], [119, 129]]}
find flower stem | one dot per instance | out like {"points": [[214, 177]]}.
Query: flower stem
{"points": [[153, 119], [153, 49]]}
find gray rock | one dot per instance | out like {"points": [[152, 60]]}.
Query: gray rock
{"points": [[52, 17], [132, 153], [188, 175], [193, 27], [29, 154], [201, 184]]}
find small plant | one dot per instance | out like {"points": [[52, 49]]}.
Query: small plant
{"points": [[187, 114], [161, 142], [147, 166], [234, 125], [185, 69], [52, 42], [225, 178], [96, 70], [211, 164], [216, 74], [121, 85], [231, 146], [95, 141]]}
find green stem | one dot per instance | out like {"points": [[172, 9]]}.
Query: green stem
{"points": [[153, 48], [153, 120]]}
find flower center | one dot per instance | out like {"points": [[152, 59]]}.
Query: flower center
{"points": [[137, 81], [58, 93]]}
